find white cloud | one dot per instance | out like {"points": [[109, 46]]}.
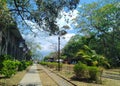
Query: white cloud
{"points": [[67, 18], [35, 27], [50, 43]]}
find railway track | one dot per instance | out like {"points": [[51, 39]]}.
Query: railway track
{"points": [[60, 81]]}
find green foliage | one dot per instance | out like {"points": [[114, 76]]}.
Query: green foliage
{"points": [[22, 66], [3, 58], [99, 21], [51, 64], [46, 58], [28, 63], [94, 73], [9, 68], [42, 12], [78, 48], [52, 54], [72, 47], [5, 17], [17, 63], [91, 58], [91, 73], [81, 70], [43, 63], [63, 57]]}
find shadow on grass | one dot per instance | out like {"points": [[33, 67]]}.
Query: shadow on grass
{"points": [[3, 80], [81, 79], [84, 80], [2, 77]]}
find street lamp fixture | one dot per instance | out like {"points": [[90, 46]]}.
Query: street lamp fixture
{"points": [[60, 33]]}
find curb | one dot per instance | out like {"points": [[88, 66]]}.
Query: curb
{"points": [[63, 78]]}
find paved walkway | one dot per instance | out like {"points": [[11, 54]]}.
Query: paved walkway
{"points": [[31, 78]]}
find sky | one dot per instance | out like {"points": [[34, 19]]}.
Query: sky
{"points": [[49, 43], [87, 1]]}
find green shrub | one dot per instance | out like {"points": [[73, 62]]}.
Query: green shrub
{"points": [[31, 62], [43, 63], [3, 58], [52, 64], [28, 63], [9, 68], [81, 70], [94, 73], [22, 66]]}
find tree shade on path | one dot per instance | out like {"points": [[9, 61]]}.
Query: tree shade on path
{"points": [[31, 78]]}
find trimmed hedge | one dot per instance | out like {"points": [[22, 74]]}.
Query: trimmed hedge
{"points": [[81, 70], [43, 63], [51, 64], [94, 73], [91, 73]]}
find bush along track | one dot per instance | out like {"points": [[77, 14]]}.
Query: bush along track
{"points": [[90, 73], [9, 66]]}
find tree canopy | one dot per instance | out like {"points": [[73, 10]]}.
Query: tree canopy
{"points": [[42, 12], [5, 17], [100, 22]]}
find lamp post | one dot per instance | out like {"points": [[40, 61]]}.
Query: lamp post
{"points": [[58, 53], [60, 33]]}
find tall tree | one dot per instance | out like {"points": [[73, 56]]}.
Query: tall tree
{"points": [[101, 19], [72, 47]]}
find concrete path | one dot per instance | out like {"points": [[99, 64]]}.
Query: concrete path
{"points": [[31, 78]]}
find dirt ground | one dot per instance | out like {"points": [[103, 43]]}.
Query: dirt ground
{"points": [[45, 79]]}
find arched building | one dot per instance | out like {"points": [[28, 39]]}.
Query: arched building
{"points": [[10, 40]]}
